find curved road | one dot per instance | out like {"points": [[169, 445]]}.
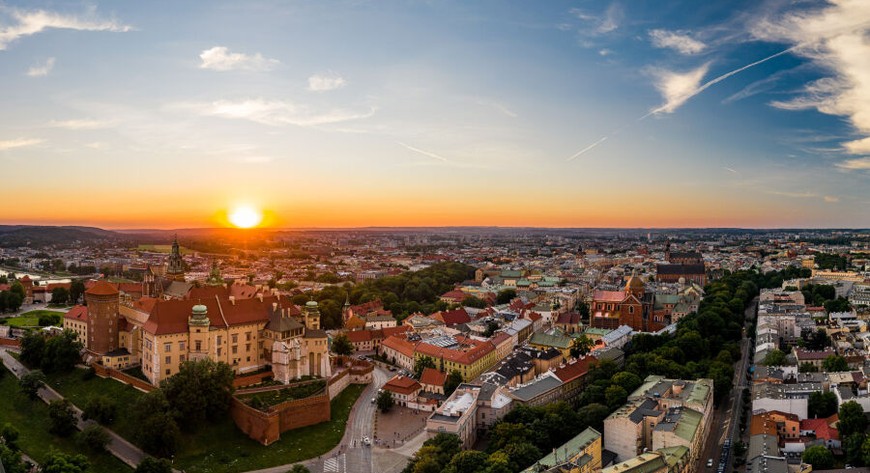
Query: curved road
{"points": [[350, 455]]}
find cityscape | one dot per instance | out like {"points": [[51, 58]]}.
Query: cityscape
{"points": [[357, 236]]}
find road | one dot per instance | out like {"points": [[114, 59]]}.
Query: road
{"points": [[124, 450], [349, 456], [726, 419]]}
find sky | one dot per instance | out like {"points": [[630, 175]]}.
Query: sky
{"points": [[733, 113]]}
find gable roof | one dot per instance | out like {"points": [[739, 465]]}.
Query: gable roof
{"points": [[78, 312], [433, 377]]}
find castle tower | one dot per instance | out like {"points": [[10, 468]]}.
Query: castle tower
{"points": [[102, 300], [311, 313], [175, 271], [149, 283], [198, 324]]}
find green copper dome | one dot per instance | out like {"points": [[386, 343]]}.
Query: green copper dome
{"points": [[311, 304], [200, 309]]}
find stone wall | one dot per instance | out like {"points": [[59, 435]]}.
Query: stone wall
{"points": [[10, 342], [242, 381]]}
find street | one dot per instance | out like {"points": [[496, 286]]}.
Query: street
{"points": [[726, 418]]}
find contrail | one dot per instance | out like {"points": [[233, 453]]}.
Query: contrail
{"points": [[578, 153], [700, 89], [424, 152]]}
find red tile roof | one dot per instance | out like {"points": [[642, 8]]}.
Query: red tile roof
{"points": [[572, 371], [78, 312], [171, 316], [822, 427], [452, 317], [102, 288], [402, 385], [433, 377], [608, 296]]}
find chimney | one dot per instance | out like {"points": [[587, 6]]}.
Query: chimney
{"points": [[260, 296], [233, 300]]}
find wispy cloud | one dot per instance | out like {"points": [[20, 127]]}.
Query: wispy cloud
{"points": [[857, 164], [26, 23], [274, 112], [679, 41], [731, 170], [599, 24], [326, 82], [219, 58], [42, 69], [496, 105], [588, 148], [677, 88], [80, 124], [831, 199], [794, 195], [834, 38], [18, 143]]}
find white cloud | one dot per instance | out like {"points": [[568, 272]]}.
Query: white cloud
{"points": [[18, 143], [794, 195], [835, 39], [42, 69], [857, 164], [831, 199], [26, 23], [676, 40], [677, 87], [219, 58], [325, 82], [275, 112], [601, 24], [80, 124]]}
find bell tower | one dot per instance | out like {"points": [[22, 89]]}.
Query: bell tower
{"points": [[175, 271], [198, 325]]}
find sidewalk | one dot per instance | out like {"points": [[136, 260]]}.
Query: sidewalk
{"points": [[118, 446]]}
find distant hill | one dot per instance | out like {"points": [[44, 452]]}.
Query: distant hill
{"points": [[33, 235]]}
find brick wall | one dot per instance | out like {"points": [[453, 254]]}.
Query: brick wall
{"points": [[105, 372], [266, 427], [242, 381], [10, 342]]}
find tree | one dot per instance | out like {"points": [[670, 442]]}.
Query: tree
{"points": [[298, 468], [819, 457], [101, 409], [58, 462], [63, 418], [615, 396], [421, 364], [774, 358], [154, 465], [822, 404], [505, 296], [60, 295], [807, 367], [852, 419], [61, 352], [385, 400], [593, 415], [157, 433], [853, 446], [32, 349], [200, 390], [581, 346], [521, 455], [76, 290], [454, 379], [9, 434], [472, 301], [627, 380], [94, 437], [835, 363], [467, 461], [10, 458], [341, 345], [30, 383], [840, 304]]}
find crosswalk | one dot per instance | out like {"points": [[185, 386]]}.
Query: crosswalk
{"points": [[336, 464]]}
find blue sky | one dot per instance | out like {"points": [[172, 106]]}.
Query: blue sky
{"points": [[438, 113]]}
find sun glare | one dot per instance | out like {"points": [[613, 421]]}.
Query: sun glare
{"points": [[245, 217]]}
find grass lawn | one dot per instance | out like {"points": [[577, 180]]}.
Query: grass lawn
{"points": [[31, 420], [31, 318], [221, 446]]}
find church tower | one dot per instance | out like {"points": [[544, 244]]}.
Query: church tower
{"points": [[149, 283], [345, 310], [175, 271], [311, 313], [198, 325], [215, 278]]}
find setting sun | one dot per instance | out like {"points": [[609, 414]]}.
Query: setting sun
{"points": [[245, 217]]}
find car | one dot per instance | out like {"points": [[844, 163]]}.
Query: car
{"points": [[366, 441], [374, 400], [361, 357], [709, 463]]}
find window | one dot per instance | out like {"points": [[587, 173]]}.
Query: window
{"points": [[248, 336], [167, 371], [235, 349], [182, 359], [167, 347], [247, 347], [181, 346], [168, 360], [235, 338], [249, 359], [631, 309], [219, 339], [219, 351], [198, 345]]}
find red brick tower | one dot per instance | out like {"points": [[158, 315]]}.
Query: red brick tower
{"points": [[102, 300]]}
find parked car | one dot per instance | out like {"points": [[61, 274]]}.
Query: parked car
{"points": [[709, 463], [366, 441]]}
